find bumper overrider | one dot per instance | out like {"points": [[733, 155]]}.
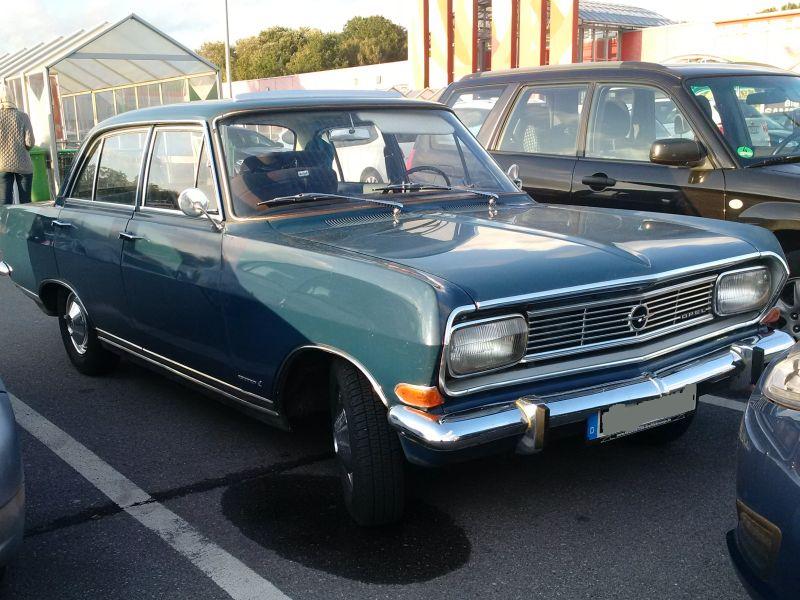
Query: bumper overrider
{"points": [[528, 417]]}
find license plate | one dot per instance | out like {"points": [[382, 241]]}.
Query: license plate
{"points": [[623, 419]]}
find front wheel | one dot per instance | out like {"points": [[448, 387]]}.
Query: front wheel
{"points": [[368, 453], [80, 339]]}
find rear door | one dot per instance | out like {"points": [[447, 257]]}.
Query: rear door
{"points": [[95, 211], [616, 171], [540, 135]]}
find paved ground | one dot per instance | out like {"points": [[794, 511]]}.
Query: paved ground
{"points": [[618, 521]]}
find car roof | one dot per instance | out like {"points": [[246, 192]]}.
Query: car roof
{"points": [[625, 68], [208, 110]]}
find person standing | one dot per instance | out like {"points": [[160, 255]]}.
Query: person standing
{"points": [[16, 138]]}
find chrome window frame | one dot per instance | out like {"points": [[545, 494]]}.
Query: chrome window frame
{"points": [[141, 205], [516, 378]]}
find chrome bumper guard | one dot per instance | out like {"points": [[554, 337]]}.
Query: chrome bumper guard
{"points": [[529, 416]]}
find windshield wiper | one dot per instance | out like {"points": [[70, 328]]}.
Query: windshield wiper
{"points": [[416, 187], [775, 160], [310, 196]]}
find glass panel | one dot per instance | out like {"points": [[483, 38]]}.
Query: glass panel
{"points": [[205, 180], [173, 92], [545, 120], [203, 88], [125, 99], [173, 167], [85, 181], [473, 106], [758, 115], [353, 153], [70, 126], [85, 112], [148, 95], [120, 163], [104, 103], [626, 120]]}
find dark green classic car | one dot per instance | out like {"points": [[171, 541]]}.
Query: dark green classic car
{"points": [[294, 254]]}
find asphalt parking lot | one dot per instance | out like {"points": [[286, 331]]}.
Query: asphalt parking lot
{"points": [[618, 521]]}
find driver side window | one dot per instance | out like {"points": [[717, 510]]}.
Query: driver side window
{"points": [[627, 119]]}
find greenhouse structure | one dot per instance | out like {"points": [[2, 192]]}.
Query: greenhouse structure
{"points": [[98, 73]]}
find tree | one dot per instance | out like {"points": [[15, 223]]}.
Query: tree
{"points": [[268, 53], [787, 6], [215, 52], [373, 40], [321, 52]]}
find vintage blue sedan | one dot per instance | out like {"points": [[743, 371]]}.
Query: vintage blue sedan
{"points": [[301, 253]]}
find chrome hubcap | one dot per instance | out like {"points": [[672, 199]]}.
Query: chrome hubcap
{"points": [[341, 442], [789, 305], [77, 326]]}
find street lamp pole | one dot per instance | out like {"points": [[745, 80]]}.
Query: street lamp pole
{"points": [[228, 53]]}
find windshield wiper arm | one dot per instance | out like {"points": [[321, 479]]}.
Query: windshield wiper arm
{"points": [[775, 160], [416, 187], [310, 196]]}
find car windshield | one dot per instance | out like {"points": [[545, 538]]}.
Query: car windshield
{"points": [[758, 115], [350, 152]]}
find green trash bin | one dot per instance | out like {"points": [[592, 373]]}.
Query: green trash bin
{"points": [[40, 189]]}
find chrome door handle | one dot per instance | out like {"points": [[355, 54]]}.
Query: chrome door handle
{"points": [[124, 235], [61, 224]]}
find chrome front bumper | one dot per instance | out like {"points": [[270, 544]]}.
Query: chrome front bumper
{"points": [[529, 416]]}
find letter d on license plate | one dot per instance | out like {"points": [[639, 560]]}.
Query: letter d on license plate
{"points": [[623, 419]]}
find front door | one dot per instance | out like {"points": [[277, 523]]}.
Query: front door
{"points": [[171, 263], [616, 172], [541, 136], [86, 234]]}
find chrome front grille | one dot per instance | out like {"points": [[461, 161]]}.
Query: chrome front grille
{"points": [[559, 330]]}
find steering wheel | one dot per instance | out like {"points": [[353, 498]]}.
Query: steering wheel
{"points": [[785, 142], [431, 169]]}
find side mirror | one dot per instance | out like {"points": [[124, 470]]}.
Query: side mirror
{"points": [[677, 152], [513, 175], [194, 203]]}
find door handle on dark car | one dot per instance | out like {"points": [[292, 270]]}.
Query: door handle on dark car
{"points": [[129, 237], [599, 181], [61, 224]]}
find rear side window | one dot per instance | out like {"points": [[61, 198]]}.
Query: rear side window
{"points": [[85, 182], [474, 105], [120, 164], [545, 120]]}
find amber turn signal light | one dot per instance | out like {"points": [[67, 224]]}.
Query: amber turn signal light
{"points": [[772, 317], [418, 395]]}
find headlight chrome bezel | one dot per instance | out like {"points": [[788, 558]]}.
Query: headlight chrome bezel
{"points": [[454, 373], [763, 301], [780, 394]]}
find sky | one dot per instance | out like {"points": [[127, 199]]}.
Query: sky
{"points": [[194, 21]]}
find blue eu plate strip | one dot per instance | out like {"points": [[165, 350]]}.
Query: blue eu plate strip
{"points": [[593, 426]]}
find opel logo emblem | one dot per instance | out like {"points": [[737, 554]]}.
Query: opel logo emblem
{"points": [[638, 316]]}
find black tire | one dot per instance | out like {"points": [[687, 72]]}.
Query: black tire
{"points": [[368, 452], [371, 175], [664, 434], [83, 349]]}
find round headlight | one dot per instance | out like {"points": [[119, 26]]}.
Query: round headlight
{"points": [[487, 345], [782, 382], [742, 291]]}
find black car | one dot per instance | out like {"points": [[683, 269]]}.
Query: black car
{"points": [[714, 140]]}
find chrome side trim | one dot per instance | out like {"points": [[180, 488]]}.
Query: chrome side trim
{"points": [[518, 378], [529, 416], [183, 371], [331, 350]]}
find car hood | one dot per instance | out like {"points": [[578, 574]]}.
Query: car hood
{"points": [[534, 248]]}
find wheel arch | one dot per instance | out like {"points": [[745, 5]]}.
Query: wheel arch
{"points": [[48, 294], [297, 394]]}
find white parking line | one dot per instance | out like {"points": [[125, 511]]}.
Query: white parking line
{"points": [[238, 580], [724, 402]]}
